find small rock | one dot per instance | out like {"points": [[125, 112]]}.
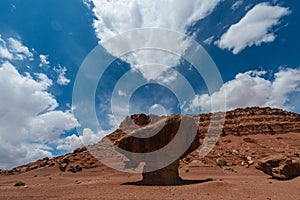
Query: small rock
{"points": [[80, 149], [221, 162], [33, 167], [77, 168], [23, 169], [234, 151], [250, 162], [44, 163], [249, 158], [249, 140], [65, 160], [63, 166]]}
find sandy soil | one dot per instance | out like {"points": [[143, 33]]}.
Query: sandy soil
{"points": [[103, 183]]}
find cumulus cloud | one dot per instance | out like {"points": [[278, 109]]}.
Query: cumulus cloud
{"points": [[44, 60], [88, 137], [19, 51], [252, 89], [62, 80], [29, 119], [114, 17], [13, 49], [4, 52], [254, 28]]}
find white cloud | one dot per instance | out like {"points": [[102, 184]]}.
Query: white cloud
{"points": [[4, 52], [158, 109], [252, 89], [286, 81], [254, 28], [29, 121], [237, 4], [88, 137], [44, 60], [209, 40], [118, 16], [121, 93], [19, 51], [13, 49], [62, 80]]}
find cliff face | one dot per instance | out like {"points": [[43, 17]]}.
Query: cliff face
{"points": [[256, 120], [250, 132]]}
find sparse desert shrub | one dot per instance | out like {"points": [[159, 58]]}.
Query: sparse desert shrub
{"points": [[20, 183]]}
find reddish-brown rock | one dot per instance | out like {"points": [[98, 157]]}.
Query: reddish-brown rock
{"points": [[178, 133], [280, 167]]}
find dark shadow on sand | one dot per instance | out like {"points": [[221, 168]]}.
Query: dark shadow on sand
{"points": [[178, 183]]}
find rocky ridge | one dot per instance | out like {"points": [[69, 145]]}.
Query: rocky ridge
{"points": [[248, 136]]}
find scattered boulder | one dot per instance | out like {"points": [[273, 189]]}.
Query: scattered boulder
{"points": [[141, 119], [74, 169], [250, 162], [280, 167], [221, 162], [63, 166], [33, 167], [80, 150]]}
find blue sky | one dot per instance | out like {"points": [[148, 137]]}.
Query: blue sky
{"points": [[254, 45]]}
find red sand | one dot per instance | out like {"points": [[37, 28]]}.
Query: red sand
{"points": [[103, 183]]}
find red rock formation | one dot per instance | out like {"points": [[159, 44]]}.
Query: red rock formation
{"points": [[162, 134], [250, 132], [280, 167]]}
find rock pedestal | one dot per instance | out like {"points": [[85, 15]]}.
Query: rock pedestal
{"points": [[166, 176], [169, 139]]}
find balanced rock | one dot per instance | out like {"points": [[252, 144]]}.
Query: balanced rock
{"points": [[169, 139], [280, 167]]}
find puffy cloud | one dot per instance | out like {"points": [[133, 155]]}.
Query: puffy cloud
{"points": [[19, 51], [44, 60], [14, 49], [254, 28], [237, 4], [62, 80], [118, 16], [88, 137], [286, 81], [252, 89], [4, 52], [29, 121]]}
